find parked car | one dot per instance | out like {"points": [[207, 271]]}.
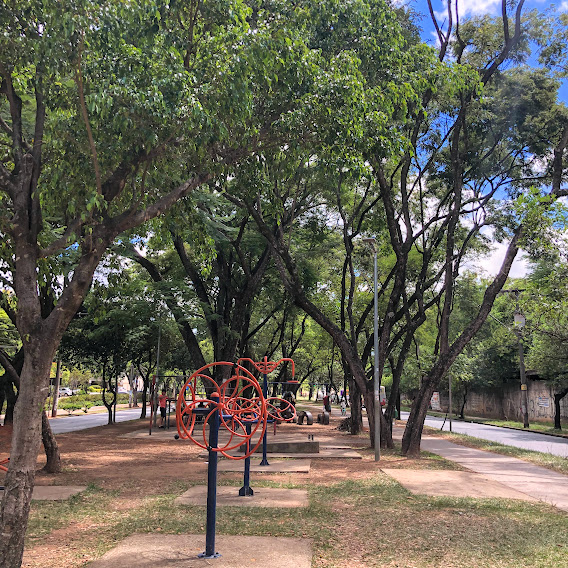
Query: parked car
{"points": [[65, 391]]}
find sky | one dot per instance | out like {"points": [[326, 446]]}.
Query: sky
{"points": [[469, 8]]}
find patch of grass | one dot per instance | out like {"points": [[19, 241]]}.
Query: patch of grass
{"points": [[546, 427], [554, 463], [372, 522]]}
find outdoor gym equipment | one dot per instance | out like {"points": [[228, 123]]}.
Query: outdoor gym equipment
{"points": [[307, 416], [239, 407], [278, 410], [265, 367]]}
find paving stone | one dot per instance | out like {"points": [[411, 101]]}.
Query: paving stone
{"points": [[263, 497], [180, 551]]}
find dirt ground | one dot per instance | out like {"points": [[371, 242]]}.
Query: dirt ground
{"points": [[135, 468]]}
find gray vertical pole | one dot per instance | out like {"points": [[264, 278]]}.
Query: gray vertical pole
{"points": [[377, 385], [56, 388], [450, 394], [155, 402], [524, 387]]}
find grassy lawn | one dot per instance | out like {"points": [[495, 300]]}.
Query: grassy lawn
{"points": [[555, 463], [365, 521], [546, 427]]}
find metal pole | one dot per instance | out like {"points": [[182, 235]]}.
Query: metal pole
{"points": [[377, 385], [450, 394], [524, 386], [212, 484], [56, 388], [264, 441], [157, 375], [246, 490]]}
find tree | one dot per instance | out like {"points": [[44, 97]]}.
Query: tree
{"points": [[484, 151], [111, 113], [546, 304]]}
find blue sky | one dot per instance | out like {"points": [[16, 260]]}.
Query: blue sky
{"points": [[469, 8], [479, 7]]}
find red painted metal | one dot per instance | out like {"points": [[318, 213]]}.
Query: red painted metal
{"points": [[266, 367], [239, 400]]}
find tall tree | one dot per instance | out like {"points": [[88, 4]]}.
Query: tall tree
{"points": [[110, 113]]}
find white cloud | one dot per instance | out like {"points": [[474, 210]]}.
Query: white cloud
{"points": [[478, 7], [491, 264], [470, 8], [563, 7]]}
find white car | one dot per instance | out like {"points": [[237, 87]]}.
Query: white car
{"points": [[65, 391]]}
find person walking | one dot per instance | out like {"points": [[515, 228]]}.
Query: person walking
{"points": [[162, 401]]}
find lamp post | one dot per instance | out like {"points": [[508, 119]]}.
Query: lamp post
{"points": [[520, 321], [377, 385]]}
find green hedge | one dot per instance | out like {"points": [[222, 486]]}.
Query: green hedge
{"points": [[86, 401]]}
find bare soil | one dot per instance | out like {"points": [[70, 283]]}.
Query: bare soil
{"points": [[135, 468]]}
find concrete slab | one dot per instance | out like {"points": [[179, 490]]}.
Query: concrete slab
{"points": [[324, 453], [263, 497], [180, 551], [327, 453], [533, 480], [442, 483], [290, 447], [275, 466], [158, 434], [53, 492]]}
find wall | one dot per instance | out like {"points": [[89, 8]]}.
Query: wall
{"points": [[507, 402]]}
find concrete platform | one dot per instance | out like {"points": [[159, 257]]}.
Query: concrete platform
{"points": [[53, 492], [324, 453], [275, 466], [263, 497], [180, 551], [327, 453], [532, 480], [161, 434], [290, 447], [442, 483]]}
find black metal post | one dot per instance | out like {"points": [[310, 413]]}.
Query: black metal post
{"points": [[246, 490], [212, 485]]}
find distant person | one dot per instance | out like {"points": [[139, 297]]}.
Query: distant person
{"points": [[326, 403], [343, 407], [162, 401]]}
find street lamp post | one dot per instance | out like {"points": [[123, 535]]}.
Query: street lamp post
{"points": [[519, 324], [377, 385]]}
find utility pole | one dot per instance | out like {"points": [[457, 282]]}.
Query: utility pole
{"points": [[519, 322], [377, 382]]}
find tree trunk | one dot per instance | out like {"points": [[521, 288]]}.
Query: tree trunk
{"points": [[144, 399], [26, 439], [415, 424], [50, 446], [464, 402], [356, 410], [557, 398]]}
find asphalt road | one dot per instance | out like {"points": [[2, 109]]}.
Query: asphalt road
{"points": [[517, 438], [63, 424]]}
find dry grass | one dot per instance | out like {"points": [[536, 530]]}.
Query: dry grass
{"points": [[357, 517]]}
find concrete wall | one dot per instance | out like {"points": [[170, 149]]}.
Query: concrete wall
{"points": [[507, 402]]}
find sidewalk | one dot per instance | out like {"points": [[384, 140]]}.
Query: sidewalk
{"points": [[537, 482]]}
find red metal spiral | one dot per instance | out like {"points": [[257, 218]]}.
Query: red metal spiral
{"points": [[239, 400]]}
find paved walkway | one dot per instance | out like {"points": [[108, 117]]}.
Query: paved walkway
{"points": [[533, 480]]}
